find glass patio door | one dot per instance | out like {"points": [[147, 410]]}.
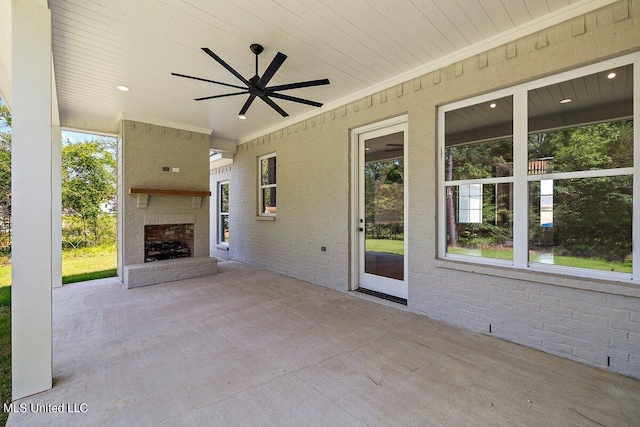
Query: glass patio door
{"points": [[381, 210]]}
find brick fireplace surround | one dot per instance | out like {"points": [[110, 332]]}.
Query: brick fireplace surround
{"points": [[153, 199]]}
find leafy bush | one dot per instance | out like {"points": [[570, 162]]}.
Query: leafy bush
{"points": [[75, 233]]}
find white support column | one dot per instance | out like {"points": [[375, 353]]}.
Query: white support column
{"points": [[520, 184], [635, 237], [56, 207], [31, 204]]}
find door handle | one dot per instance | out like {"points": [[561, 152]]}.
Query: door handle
{"points": [[360, 229]]}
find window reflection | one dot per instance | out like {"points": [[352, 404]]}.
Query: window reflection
{"points": [[591, 227], [490, 233], [583, 127], [479, 146]]}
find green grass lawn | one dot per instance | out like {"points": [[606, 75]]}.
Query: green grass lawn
{"points": [[386, 246], [483, 252], [77, 265], [5, 275], [5, 349], [593, 263], [566, 261]]}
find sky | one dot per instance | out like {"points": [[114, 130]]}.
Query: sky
{"points": [[73, 136], [79, 136]]}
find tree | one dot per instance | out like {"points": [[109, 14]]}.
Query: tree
{"points": [[88, 179], [485, 159], [593, 216], [452, 235], [5, 178], [5, 126], [384, 197]]}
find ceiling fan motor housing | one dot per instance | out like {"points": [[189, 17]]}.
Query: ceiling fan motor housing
{"points": [[256, 48]]}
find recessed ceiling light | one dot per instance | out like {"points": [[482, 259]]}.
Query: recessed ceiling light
{"points": [[493, 105], [565, 101], [611, 75], [123, 88], [242, 117]]}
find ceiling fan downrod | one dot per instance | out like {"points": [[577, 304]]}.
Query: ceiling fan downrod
{"points": [[257, 50]]}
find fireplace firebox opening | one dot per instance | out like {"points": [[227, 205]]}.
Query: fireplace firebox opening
{"points": [[168, 241]]}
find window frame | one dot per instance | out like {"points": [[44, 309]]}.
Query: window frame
{"points": [[261, 186], [221, 214], [521, 178]]}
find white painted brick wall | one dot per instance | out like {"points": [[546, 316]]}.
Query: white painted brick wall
{"points": [[589, 321], [590, 327], [307, 209]]}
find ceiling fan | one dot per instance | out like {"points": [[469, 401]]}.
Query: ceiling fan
{"points": [[401, 148], [256, 86]]}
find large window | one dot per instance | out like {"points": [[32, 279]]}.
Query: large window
{"points": [[223, 212], [267, 184], [478, 169], [541, 176]]}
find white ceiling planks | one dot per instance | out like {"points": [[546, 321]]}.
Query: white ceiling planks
{"points": [[559, 4], [357, 44], [462, 10], [433, 22], [382, 35]]}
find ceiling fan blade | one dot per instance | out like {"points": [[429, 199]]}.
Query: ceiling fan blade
{"points": [[206, 80], [298, 85], [225, 65], [277, 62], [294, 99], [247, 104], [221, 96], [273, 105]]}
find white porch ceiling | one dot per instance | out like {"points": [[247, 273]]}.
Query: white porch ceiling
{"points": [[357, 44]]}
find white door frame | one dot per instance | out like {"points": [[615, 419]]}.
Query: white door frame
{"points": [[356, 155]]}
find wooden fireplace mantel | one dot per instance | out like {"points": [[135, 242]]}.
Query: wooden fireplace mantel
{"points": [[169, 192], [144, 193]]}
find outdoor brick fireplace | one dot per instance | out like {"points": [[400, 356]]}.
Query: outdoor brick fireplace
{"points": [[163, 205], [168, 241]]}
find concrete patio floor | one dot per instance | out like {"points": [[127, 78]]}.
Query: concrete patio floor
{"points": [[250, 347]]}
